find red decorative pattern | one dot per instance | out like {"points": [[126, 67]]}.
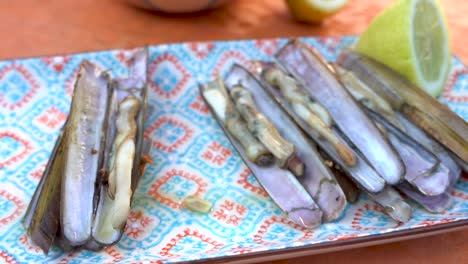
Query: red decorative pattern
{"points": [[216, 154], [199, 105], [436, 222], [267, 46], [232, 55], [249, 186], [267, 224], [136, 224], [368, 207], [231, 213], [7, 257], [201, 49], [342, 237], [124, 56], [70, 82], [18, 210], [169, 201], [26, 149], [448, 92], [115, 255], [458, 194], [57, 63], [241, 250], [330, 42], [165, 252], [168, 58], [34, 86], [28, 245], [52, 117], [37, 174], [179, 142], [68, 257]]}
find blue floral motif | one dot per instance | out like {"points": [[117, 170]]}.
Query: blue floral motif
{"points": [[14, 87]]}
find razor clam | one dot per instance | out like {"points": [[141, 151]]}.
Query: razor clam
{"points": [[367, 97], [319, 79], [263, 129], [281, 185], [418, 106], [433, 204], [136, 83], [317, 179], [115, 196], [393, 204], [83, 140], [441, 153], [347, 185], [215, 92], [423, 169], [314, 114], [80, 163], [360, 171], [125, 149]]}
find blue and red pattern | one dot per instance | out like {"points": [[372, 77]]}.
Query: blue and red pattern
{"points": [[192, 157]]}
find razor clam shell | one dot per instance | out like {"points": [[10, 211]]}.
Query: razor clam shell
{"points": [[123, 87], [366, 96], [62, 242], [84, 145], [410, 136], [361, 172], [42, 218], [136, 84], [139, 69], [105, 207], [434, 146], [319, 79], [34, 200], [224, 107], [434, 204], [425, 111], [422, 174], [40, 186], [423, 168], [280, 184], [317, 179], [351, 61], [350, 189], [393, 204], [97, 242], [347, 185]]}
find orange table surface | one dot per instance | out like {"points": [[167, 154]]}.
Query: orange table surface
{"points": [[34, 28]]}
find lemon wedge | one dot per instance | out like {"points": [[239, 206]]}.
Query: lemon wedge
{"points": [[411, 37], [314, 11]]}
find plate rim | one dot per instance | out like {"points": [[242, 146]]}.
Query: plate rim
{"points": [[338, 245]]}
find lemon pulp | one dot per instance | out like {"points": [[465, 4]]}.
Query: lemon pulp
{"points": [[411, 38]]}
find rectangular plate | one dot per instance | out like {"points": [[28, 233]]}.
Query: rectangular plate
{"points": [[191, 157]]}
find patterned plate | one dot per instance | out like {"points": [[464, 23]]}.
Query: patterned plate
{"points": [[192, 156]]}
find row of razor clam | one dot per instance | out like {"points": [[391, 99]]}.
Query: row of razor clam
{"points": [[84, 197], [314, 134]]}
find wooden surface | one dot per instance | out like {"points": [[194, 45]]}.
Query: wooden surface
{"points": [[47, 27]]}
